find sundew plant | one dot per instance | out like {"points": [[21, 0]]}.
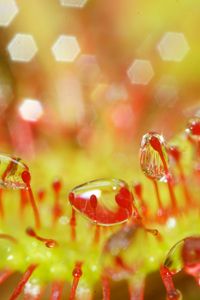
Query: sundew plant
{"points": [[105, 230], [99, 150]]}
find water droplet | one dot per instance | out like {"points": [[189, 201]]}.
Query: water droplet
{"points": [[191, 257], [103, 201], [50, 243], [153, 156], [11, 172], [173, 260], [193, 129]]}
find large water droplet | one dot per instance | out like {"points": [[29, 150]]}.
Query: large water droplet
{"points": [[191, 257], [193, 129], [173, 260], [11, 170], [103, 201], [185, 255], [153, 156]]}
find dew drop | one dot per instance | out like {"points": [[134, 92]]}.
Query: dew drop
{"points": [[193, 129], [191, 257], [50, 243], [152, 155], [173, 261], [11, 172], [103, 201], [185, 255]]}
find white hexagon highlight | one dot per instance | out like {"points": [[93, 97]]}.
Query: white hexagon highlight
{"points": [[22, 48], [173, 46], [31, 110], [66, 48], [8, 10], [140, 72], [73, 3]]}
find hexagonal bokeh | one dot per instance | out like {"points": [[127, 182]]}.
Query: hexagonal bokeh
{"points": [[140, 72], [8, 10], [173, 46], [31, 110], [22, 47], [66, 48], [73, 3]]}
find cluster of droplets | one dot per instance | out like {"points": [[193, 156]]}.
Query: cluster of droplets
{"points": [[110, 202]]}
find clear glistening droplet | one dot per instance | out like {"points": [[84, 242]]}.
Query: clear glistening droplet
{"points": [[103, 201], [152, 154], [173, 260], [11, 170], [191, 257]]}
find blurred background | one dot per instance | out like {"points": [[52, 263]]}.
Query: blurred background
{"points": [[78, 71]]}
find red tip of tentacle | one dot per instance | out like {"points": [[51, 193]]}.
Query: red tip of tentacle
{"points": [[77, 273]]}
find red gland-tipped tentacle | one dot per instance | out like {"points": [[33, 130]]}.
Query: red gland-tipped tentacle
{"points": [[161, 213], [193, 134], [155, 232], [138, 192], [105, 287], [120, 262], [166, 275], [155, 143], [125, 199], [22, 282], [176, 155], [23, 201], [73, 219], [11, 167], [49, 243], [93, 203], [41, 195], [77, 273], [97, 234], [56, 291], [5, 275], [26, 177], [8, 237], [57, 211], [136, 291]]}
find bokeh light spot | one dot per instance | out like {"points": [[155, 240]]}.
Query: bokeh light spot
{"points": [[31, 110], [173, 46], [73, 3], [116, 92], [88, 69], [22, 47], [140, 72], [66, 48], [8, 10]]}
